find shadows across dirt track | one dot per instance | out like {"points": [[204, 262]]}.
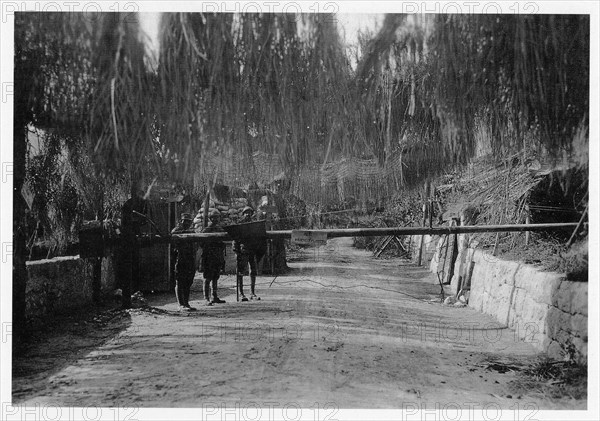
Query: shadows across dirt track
{"points": [[341, 328]]}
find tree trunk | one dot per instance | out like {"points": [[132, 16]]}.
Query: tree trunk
{"points": [[19, 234], [97, 262]]}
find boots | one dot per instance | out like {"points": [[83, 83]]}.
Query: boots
{"points": [[207, 292], [240, 282], [253, 295], [215, 299], [186, 295], [180, 295]]}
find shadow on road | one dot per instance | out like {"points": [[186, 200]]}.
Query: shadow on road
{"points": [[60, 341]]}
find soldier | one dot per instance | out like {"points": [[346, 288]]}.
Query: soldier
{"points": [[248, 253], [132, 219], [213, 260], [185, 267]]}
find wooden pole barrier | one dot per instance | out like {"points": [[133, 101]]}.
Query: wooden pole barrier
{"points": [[577, 227], [496, 243], [365, 232], [527, 221], [420, 255], [430, 215], [453, 253], [445, 244]]}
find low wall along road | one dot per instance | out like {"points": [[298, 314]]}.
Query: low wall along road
{"points": [[59, 284], [543, 307]]}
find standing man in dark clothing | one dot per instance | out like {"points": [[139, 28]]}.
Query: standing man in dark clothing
{"points": [[132, 219], [185, 267], [213, 260], [248, 251]]}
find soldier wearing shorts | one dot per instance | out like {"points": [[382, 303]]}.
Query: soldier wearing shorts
{"points": [[185, 267], [213, 260], [248, 253]]}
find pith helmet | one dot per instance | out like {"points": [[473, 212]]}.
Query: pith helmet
{"points": [[214, 214], [247, 209], [186, 217]]}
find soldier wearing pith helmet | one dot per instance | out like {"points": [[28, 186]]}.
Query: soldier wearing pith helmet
{"points": [[247, 214], [248, 254], [185, 267], [213, 259]]}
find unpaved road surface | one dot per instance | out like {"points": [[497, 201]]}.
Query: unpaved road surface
{"points": [[341, 330]]}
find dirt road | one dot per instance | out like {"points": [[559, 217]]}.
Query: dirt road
{"points": [[341, 330]]}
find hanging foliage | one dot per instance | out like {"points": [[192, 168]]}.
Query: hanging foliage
{"points": [[250, 83], [521, 72], [241, 87]]}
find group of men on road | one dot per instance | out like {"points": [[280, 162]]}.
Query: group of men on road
{"points": [[212, 263]]}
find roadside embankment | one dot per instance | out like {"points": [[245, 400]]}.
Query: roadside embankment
{"points": [[63, 283], [543, 307]]}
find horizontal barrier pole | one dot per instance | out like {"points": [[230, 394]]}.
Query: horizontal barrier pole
{"points": [[400, 231], [363, 232]]}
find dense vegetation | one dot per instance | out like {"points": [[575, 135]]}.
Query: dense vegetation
{"points": [[425, 90]]}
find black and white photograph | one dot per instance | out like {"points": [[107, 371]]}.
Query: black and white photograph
{"points": [[299, 210]]}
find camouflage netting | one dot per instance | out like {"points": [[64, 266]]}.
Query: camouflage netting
{"points": [[347, 180]]}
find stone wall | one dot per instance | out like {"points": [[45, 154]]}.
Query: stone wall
{"points": [[543, 308], [436, 255], [430, 244], [59, 284]]}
